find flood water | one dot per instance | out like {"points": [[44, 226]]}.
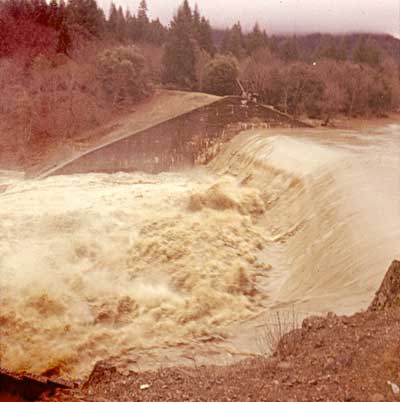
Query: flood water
{"points": [[99, 265]]}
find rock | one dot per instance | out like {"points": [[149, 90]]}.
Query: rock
{"points": [[377, 398], [330, 364], [388, 295], [284, 366], [345, 360], [271, 362], [29, 386], [395, 388], [313, 322], [144, 387]]}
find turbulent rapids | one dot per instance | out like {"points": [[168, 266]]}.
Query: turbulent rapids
{"points": [[94, 265]]}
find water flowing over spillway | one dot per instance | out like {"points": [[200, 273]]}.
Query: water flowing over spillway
{"points": [[93, 265]]}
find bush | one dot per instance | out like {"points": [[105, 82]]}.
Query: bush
{"points": [[261, 73], [220, 76], [325, 88], [123, 74]]}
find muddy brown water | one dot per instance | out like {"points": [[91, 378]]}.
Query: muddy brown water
{"points": [[186, 267]]}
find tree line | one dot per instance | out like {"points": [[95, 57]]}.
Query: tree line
{"points": [[37, 27], [67, 67], [59, 25], [318, 76], [40, 27]]}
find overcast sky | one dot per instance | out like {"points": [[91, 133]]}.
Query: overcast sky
{"points": [[287, 15]]}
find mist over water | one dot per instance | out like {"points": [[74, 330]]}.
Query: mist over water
{"points": [[93, 265]]}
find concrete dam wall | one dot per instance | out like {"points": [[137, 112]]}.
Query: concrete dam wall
{"points": [[175, 143]]}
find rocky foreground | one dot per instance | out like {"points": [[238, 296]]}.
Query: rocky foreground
{"points": [[328, 359]]}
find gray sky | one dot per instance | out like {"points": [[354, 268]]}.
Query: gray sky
{"points": [[288, 15]]}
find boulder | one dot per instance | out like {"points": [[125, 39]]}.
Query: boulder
{"points": [[388, 295]]}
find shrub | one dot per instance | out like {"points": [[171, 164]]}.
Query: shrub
{"points": [[123, 74], [220, 76], [47, 102], [261, 73]]}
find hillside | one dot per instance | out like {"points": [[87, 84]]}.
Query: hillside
{"points": [[309, 44]]}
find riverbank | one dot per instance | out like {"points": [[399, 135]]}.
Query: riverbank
{"points": [[360, 123], [161, 105]]}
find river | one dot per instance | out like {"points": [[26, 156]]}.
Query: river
{"points": [[101, 265]]}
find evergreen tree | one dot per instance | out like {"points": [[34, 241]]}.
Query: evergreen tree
{"points": [[121, 25], [256, 39], [196, 23], [41, 12], [237, 41], [112, 22], [233, 42], [205, 38], [62, 10], [186, 14], [225, 41], [132, 30], [130, 26], [142, 12], [179, 59], [88, 15], [128, 19], [58, 18], [142, 21], [202, 31], [157, 33], [117, 24], [64, 42], [54, 15]]}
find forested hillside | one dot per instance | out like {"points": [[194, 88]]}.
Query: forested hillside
{"points": [[67, 67]]}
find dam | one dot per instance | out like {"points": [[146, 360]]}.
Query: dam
{"points": [[174, 130]]}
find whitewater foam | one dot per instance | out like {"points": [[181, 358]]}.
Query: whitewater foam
{"points": [[95, 265]]}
